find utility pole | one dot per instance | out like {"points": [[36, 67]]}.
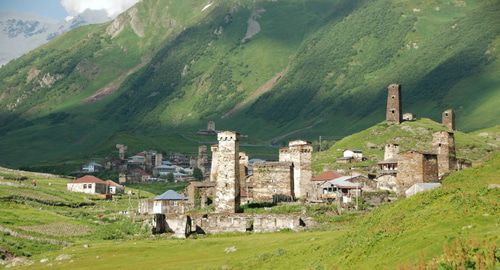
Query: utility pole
{"points": [[320, 147]]}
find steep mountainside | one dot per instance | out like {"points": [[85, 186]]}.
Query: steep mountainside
{"points": [[271, 69]]}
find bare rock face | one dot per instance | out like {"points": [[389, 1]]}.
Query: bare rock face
{"points": [[135, 22], [48, 80], [32, 74], [253, 25], [116, 27]]}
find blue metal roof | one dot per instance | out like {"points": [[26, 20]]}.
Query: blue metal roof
{"points": [[170, 196]]}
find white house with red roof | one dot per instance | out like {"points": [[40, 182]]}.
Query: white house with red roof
{"points": [[88, 184], [114, 188]]}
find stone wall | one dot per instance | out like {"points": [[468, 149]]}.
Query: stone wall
{"points": [[416, 167], [394, 110], [225, 223], [391, 151], [227, 185], [443, 144], [273, 182]]}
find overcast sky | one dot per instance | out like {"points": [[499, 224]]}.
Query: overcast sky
{"points": [[60, 9]]}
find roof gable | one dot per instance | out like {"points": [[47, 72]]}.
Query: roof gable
{"points": [[170, 195]]}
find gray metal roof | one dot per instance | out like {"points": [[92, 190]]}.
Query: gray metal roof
{"points": [[170, 195]]}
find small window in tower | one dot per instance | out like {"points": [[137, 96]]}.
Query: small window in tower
{"points": [[393, 97], [439, 145], [393, 111]]}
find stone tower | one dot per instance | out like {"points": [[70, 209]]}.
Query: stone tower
{"points": [[122, 150], [449, 119], [158, 159], [391, 151], [202, 160], [443, 144], [394, 112], [211, 126], [300, 154], [227, 185], [214, 168]]}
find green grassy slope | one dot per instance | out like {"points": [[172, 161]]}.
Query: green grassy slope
{"points": [[51, 214], [413, 232], [174, 66], [410, 136]]}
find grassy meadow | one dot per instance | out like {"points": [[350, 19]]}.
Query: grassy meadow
{"points": [[453, 226]]}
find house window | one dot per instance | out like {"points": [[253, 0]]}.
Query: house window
{"points": [[84, 186], [90, 185]]}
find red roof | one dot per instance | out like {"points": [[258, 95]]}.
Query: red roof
{"points": [[88, 179], [112, 183], [326, 176]]}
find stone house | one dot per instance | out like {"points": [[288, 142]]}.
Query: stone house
{"points": [[273, 182], [319, 180], [137, 175], [88, 184], [170, 202], [416, 167], [341, 189]]}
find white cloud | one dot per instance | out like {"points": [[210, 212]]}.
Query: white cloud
{"points": [[112, 7]]}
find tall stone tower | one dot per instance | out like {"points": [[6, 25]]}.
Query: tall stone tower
{"points": [[394, 110], [227, 185], [214, 168], [158, 159], [202, 160], [391, 151], [300, 154], [443, 144], [449, 119]]}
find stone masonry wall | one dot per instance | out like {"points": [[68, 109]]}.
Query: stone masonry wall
{"points": [[443, 144], [273, 182], [415, 167]]}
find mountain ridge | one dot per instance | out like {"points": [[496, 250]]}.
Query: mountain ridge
{"points": [[340, 57]]}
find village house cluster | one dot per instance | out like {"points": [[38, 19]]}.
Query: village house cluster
{"points": [[232, 179], [151, 165]]}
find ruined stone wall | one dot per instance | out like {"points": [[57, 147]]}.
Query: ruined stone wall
{"points": [[215, 163], [430, 168], [443, 144], [273, 182], [415, 167], [220, 223], [448, 119], [391, 151], [394, 110], [227, 186]]}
